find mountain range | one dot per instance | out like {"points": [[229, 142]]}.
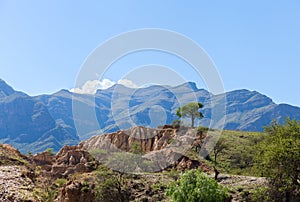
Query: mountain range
{"points": [[33, 124]]}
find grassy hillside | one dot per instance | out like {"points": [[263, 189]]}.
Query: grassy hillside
{"points": [[238, 157]]}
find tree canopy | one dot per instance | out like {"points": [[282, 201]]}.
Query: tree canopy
{"points": [[190, 110], [279, 157]]}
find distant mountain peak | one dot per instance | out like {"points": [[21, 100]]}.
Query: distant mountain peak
{"points": [[5, 89], [190, 85], [63, 92], [115, 88], [2, 82]]}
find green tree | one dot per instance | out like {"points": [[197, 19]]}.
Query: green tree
{"points": [[190, 110], [195, 186], [218, 149], [50, 151], [278, 160]]}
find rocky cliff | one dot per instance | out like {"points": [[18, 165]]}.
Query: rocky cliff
{"points": [[163, 148]]}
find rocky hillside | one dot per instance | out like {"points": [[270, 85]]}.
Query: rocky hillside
{"points": [[75, 175], [141, 149], [15, 175], [37, 178]]}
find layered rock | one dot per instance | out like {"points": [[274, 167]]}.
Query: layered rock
{"points": [[159, 149], [68, 160], [149, 139]]}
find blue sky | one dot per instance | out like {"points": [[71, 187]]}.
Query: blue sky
{"points": [[254, 44]]}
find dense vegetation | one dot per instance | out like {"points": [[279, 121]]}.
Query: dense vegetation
{"points": [[274, 154], [195, 186], [238, 156], [278, 159]]}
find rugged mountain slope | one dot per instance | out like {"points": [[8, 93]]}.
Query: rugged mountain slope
{"points": [[6, 90], [121, 108], [27, 124], [36, 123]]}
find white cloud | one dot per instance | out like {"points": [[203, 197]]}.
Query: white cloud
{"points": [[128, 83], [91, 87], [105, 83]]}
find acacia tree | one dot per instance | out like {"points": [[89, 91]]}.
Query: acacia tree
{"points": [[218, 148], [278, 160], [190, 110]]}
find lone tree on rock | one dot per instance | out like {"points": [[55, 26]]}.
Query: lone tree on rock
{"points": [[190, 110]]}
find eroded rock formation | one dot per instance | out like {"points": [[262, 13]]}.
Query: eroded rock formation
{"points": [[68, 160], [163, 147]]}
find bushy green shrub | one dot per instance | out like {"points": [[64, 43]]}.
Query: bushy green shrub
{"points": [[195, 186], [60, 182], [136, 148], [50, 151]]}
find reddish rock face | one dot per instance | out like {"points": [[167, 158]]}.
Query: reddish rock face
{"points": [[68, 160], [75, 192], [149, 139], [185, 163], [43, 159], [164, 147]]}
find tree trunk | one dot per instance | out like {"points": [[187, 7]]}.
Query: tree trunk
{"points": [[288, 196], [193, 119], [216, 173]]}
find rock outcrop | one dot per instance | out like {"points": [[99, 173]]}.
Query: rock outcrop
{"points": [[32, 178], [16, 176], [75, 191], [149, 139], [163, 147], [69, 160], [11, 156]]}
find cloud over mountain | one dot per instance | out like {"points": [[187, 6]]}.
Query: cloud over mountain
{"points": [[91, 86], [128, 83]]}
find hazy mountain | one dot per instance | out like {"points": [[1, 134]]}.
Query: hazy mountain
{"points": [[36, 123], [245, 110], [27, 124], [6, 90]]}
